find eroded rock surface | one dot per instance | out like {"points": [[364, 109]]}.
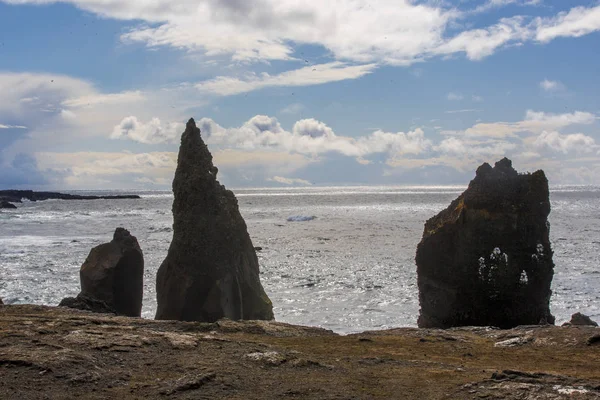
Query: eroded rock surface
{"points": [[511, 384], [86, 303], [112, 277], [211, 270], [486, 260], [61, 353]]}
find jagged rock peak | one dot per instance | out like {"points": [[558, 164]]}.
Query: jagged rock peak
{"points": [[211, 270], [122, 235], [502, 169], [191, 124]]}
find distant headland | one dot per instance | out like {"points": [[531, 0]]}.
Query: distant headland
{"points": [[16, 196]]}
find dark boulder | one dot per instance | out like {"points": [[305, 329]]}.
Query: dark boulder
{"points": [[580, 319], [211, 270], [83, 302], [1, 302], [112, 277], [486, 260], [6, 204]]}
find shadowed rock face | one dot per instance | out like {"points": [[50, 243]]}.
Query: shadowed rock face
{"points": [[486, 259], [211, 270], [112, 277]]}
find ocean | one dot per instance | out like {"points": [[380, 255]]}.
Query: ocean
{"points": [[349, 269]]}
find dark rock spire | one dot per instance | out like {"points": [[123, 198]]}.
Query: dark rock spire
{"points": [[211, 270]]}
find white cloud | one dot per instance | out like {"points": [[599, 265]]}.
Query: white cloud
{"points": [[454, 96], [492, 4], [529, 155], [311, 137], [293, 109], [262, 150], [477, 98], [452, 145], [465, 110], [290, 181], [480, 43], [96, 170], [398, 32], [474, 149], [152, 132], [363, 161], [271, 160], [104, 98], [68, 115], [60, 111], [392, 32], [534, 122], [25, 94], [578, 21], [551, 86], [2, 126], [306, 76], [576, 142]]}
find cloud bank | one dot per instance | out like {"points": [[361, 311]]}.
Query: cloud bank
{"points": [[398, 32]]}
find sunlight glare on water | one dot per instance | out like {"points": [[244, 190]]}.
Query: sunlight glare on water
{"points": [[350, 269]]}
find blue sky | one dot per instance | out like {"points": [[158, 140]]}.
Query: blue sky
{"points": [[94, 94]]}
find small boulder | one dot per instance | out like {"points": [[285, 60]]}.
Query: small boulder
{"points": [[579, 319], [6, 204], [83, 302], [112, 277]]}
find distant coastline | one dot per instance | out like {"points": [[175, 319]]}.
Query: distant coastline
{"points": [[16, 196]]}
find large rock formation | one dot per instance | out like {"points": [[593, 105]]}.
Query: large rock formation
{"points": [[486, 259], [211, 269], [112, 277]]}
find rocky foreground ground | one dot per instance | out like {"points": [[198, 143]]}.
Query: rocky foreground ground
{"points": [[59, 353]]}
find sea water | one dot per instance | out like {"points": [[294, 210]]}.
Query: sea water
{"points": [[350, 268]]}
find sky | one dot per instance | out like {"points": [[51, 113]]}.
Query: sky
{"points": [[94, 94]]}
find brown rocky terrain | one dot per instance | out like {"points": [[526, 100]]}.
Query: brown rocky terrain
{"points": [[61, 353]]}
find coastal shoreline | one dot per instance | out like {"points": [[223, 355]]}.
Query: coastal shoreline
{"points": [[17, 196]]}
